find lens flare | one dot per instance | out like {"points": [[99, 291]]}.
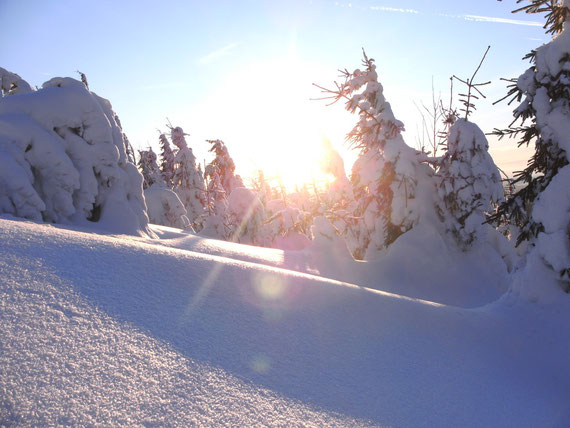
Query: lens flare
{"points": [[269, 287], [261, 364]]}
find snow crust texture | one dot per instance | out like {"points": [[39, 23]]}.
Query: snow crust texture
{"points": [[144, 334]]}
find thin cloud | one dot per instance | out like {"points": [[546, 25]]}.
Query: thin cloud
{"points": [[478, 18], [393, 9], [217, 53], [474, 18]]}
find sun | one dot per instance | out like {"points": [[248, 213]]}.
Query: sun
{"points": [[301, 163], [265, 115]]}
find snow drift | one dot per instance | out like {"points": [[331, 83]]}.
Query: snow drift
{"points": [[149, 335]]}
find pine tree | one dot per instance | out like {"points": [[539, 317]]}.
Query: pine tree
{"points": [[187, 181], [338, 202], [225, 166], [385, 174], [166, 160], [216, 215], [246, 218], [148, 167], [260, 185], [543, 92], [469, 182]]}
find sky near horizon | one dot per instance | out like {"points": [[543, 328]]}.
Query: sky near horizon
{"points": [[242, 71]]}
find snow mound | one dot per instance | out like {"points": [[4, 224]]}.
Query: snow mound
{"points": [[420, 264]]}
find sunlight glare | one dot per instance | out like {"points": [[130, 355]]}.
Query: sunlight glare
{"points": [[283, 133]]}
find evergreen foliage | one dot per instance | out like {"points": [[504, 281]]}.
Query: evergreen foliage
{"points": [[224, 165], [542, 118], [384, 176], [468, 183], [188, 181], [166, 160], [548, 157], [148, 167]]}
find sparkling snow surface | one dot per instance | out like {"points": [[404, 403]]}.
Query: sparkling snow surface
{"points": [[103, 330]]}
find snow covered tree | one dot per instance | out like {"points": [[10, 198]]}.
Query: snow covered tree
{"points": [[385, 175], [165, 207], [469, 182], [260, 185], [225, 166], [128, 146], [63, 158], [247, 218], [11, 83], [188, 182], [540, 206], [166, 160], [287, 229], [216, 216], [338, 203], [148, 167]]}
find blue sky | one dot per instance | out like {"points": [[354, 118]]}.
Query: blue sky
{"points": [[242, 70]]}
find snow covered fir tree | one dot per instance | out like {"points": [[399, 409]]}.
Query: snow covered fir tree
{"points": [[386, 173], [63, 158], [540, 209], [216, 223], [167, 160], [468, 183], [148, 167], [188, 181], [225, 166]]}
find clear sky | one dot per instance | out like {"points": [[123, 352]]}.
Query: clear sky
{"points": [[242, 71]]}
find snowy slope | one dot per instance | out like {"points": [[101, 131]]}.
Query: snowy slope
{"points": [[420, 264], [104, 330]]}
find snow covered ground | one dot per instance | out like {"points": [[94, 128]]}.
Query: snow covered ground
{"points": [[114, 330]]}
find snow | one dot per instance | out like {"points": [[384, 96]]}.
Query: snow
{"points": [[553, 243], [147, 334], [11, 83], [246, 216], [65, 153], [469, 182], [188, 181], [164, 207], [545, 88]]}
